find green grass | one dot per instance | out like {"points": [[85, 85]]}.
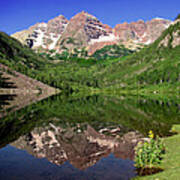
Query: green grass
{"points": [[171, 161]]}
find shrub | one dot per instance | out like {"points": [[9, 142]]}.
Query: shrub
{"points": [[149, 154]]}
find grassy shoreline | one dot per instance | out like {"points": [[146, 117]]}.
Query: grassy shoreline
{"points": [[171, 161]]}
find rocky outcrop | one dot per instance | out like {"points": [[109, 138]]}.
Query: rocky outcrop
{"points": [[99, 45], [43, 35], [165, 41], [84, 30], [172, 38], [140, 31], [176, 39]]}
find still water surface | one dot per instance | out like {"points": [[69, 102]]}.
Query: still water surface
{"points": [[80, 137]]}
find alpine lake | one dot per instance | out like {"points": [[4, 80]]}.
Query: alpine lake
{"points": [[79, 137]]}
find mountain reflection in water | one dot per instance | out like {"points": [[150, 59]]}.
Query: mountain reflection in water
{"points": [[82, 145], [81, 137]]}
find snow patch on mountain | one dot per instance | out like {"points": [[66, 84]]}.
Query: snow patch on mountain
{"points": [[55, 40], [110, 37], [39, 40]]}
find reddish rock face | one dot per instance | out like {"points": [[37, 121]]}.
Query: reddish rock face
{"points": [[86, 31], [83, 28], [139, 27], [57, 25], [140, 31], [155, 27], [123, 31], [99, 45]]}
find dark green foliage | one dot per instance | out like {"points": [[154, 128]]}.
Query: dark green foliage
{"points": [[111, 52], [70, 40], [107, 52], [66, 55], [15, 52]]}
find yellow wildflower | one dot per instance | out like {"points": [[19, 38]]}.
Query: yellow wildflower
{"points": [[151, 135]]}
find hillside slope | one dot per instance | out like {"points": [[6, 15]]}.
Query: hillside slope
{"points": [[25, 90], [154, 67], [13, 52]]}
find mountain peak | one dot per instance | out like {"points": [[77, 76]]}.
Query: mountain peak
{"points": [[85, 14], [85, 30], [59, 18]]}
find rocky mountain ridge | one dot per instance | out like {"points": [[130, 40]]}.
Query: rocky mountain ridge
{"points": [[86, 31]]}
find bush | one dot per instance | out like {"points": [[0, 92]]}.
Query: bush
{"points": [[149, 154]]}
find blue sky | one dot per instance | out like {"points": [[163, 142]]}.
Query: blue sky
{"points": [[16, 15]]}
